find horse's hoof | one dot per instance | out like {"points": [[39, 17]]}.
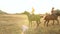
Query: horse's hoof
{"points": [[52, 24], [47, 25], [57, 24]]}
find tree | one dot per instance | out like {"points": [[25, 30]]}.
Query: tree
{"points": [[26, 12], [2, 12], [57, 12]]}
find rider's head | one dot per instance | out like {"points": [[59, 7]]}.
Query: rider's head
{"points": [[52, 7]]}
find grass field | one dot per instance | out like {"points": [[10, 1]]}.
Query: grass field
{"points": [[12, 24]]}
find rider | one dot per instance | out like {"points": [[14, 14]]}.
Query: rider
{"points": [[33, 11], [52, 11]]}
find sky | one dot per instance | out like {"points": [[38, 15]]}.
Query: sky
{"points": [[18, 6]]}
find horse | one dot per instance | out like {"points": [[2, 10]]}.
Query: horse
{"points": [[33, 17], [51, 17]]}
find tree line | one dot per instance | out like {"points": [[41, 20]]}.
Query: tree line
{"points": [[3, 12]]}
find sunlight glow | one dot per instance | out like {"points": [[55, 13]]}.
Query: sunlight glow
{"points": [[24, 28], [18, 6]]}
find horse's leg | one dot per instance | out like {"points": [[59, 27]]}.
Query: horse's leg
{"points": [[47, 22], [37, 23], [30, 23], [57, 21], [53, 22]]}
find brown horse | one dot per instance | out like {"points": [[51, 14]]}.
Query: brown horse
{"points": [[51, 17]]}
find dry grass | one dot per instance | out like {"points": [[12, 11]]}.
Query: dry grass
{"points": [[11, 24]]}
